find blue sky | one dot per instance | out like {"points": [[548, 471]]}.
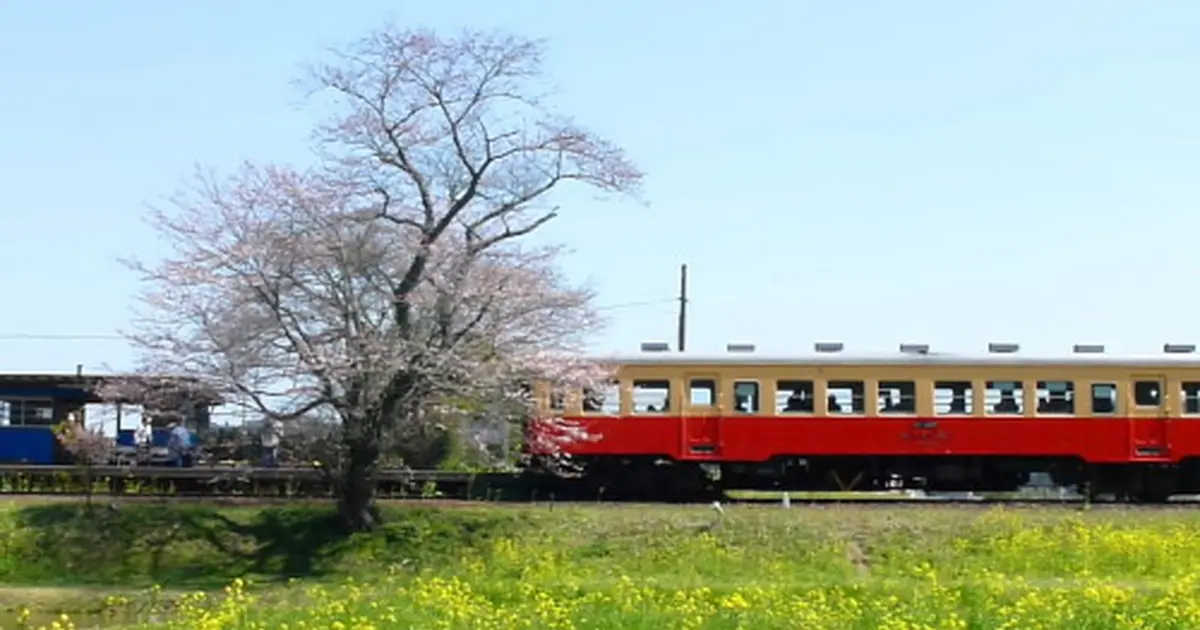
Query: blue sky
{"points": [[871, 172]]}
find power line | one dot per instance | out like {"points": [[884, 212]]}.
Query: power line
{"points": [[113, 336], [55, 337], [611, 307]]}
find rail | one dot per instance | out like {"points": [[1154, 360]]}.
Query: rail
{"points": [[247, 472]]}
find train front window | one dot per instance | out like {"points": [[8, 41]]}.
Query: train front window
{"points": [[745, 394], [953, 398], [1004, 398], [1147, 393], [651, 396], [897, 397], [845, 397], [1056, 397], [1104, 399], [794, 397], [1191, 397]]}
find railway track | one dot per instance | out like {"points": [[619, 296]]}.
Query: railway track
{"points": [[855, 503], [248, 485], [233, 481], [307, 484]]}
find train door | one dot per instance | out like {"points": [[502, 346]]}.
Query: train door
{"points": [[1148, 416], [701, 418]]}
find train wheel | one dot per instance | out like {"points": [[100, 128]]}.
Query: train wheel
{"points": [[1151, 485], [1151, 496]]}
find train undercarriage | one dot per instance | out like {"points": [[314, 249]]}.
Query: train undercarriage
{"points": [[662, 479]]}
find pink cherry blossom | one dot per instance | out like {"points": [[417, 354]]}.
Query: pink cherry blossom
{"points": [[390, 285]]}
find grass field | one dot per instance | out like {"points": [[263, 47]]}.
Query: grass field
{"points": [[603, 567]]}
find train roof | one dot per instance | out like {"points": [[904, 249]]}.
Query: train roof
{"points": [[1172, 355], [90, 382]]}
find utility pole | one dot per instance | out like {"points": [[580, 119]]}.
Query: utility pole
{"points": [[683, 300]]}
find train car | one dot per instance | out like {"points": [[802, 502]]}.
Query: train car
{"points": [[31, 405], [677, 423]]}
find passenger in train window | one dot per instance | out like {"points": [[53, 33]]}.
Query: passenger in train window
{"points": [[1056, 397], [1191, 397], [886, 404], [800, 399], [1104, 398], [896, 397], [952, 397], [651, 396], [853, 391], [746, 395], [1008, 403], [1060, 403]]}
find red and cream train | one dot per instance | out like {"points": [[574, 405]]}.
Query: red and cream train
{"points": [[677, 424]]}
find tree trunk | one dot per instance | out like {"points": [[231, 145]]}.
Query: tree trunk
{"points": [[356, 500]]}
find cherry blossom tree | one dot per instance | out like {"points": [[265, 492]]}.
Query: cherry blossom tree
{"points": [[393, 283], [88, 447]]}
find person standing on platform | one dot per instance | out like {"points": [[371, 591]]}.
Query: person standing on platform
{"points": [[270, 442], [143, 440], [179, 445]]}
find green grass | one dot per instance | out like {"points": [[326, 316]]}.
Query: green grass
{"points": [[196, 546], [627, 566]]}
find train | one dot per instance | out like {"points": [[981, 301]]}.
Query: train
{"points": [[690, 426], [31, 405], [683, 424]]}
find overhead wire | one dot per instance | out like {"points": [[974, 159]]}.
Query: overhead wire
{"points": [[114, 336]]}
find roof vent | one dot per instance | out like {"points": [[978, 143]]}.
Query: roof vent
{"points": [[828, 346], [1089, 348], [655, 346], [1179, 348], [739, 347], [914, 348], [1003, 348]]}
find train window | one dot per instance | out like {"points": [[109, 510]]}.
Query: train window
{"points": [[651, 396], [702, 392], [897, 397], [558, 401], [1055, 397], [1004, 397], [745, 395], [794, 397], [845, 397], [1104, 398], [1147, 393], [1190, 391], [606, 401], [5, 413], [31, 412], [953, 398]]}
